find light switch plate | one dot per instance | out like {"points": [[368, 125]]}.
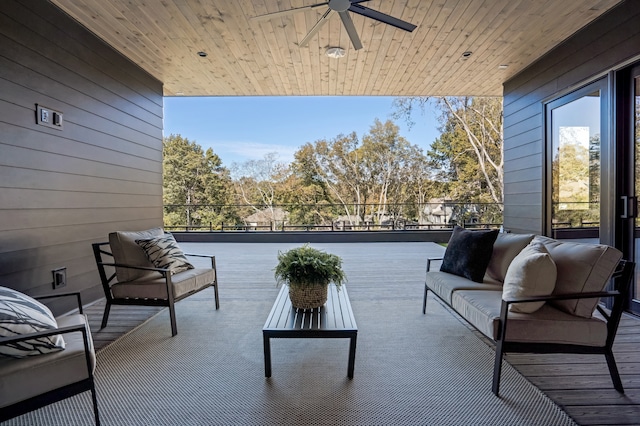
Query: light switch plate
{"points": [[59, 277], [48, 117]]}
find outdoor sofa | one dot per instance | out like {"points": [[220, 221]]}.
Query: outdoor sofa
{"points": [[533, 294]]}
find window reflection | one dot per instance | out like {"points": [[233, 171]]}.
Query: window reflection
{"points": [[576, 163]]}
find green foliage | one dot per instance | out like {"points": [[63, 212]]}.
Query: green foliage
{"points": [[193, 176], [372, 178], [467, 158], [379, 178], [307, 266]]}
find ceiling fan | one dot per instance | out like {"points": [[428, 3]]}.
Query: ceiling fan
{"points": [[343, 7]]}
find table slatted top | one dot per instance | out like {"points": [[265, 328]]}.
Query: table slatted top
{"points": [[335, 315]]}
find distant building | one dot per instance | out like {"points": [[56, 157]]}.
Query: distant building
{"points": [[267, 216], [439, 211]]}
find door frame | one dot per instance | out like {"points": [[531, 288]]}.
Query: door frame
{"points": [[607, 166]]}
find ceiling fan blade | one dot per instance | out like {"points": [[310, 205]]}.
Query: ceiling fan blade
{"points": [[351, 29], [316, 28], [287, 12], [382, 17]]}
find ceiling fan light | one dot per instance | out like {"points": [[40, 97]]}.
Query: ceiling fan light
{"points": [[335, 52]]}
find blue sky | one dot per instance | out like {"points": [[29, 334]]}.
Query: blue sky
{"points": [[246, 128]]}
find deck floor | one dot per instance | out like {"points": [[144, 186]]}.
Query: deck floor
{"points": [[579, 383]]}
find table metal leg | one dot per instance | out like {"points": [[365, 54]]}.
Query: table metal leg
{"points": [[352, 355], [267, 354]]}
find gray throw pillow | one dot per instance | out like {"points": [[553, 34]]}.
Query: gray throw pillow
{"points": [[469, 252], [164, 253]]}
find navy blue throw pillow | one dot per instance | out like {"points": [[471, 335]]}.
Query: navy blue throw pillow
{"points": [[469, 252]]}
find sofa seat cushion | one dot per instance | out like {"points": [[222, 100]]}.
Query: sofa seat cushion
{"points": [[444, 284], [505, 249], [546, 325], [27, 377], [155, 288], [581, 268], [126, 251]]}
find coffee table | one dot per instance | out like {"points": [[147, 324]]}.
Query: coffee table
{"points": [[332, 320]]}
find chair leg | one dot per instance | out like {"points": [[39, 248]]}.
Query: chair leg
{"points": [[613, 370], [497, 369], [95, 404], [172, 315], [105, 315], [424, 300], [215, 294]]}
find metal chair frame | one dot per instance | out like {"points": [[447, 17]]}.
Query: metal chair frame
{"points": [[100, 249]]}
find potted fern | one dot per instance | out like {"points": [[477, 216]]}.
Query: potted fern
{"points": [[308, 272]]}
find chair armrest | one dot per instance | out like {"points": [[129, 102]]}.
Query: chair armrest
{"points": [[567, 296], [430, 259], [210, 256], [142, 268], [198, 255], [53, 296]]}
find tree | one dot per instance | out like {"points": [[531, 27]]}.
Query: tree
{"points": [[336, 166], [469, 152], [193, 178], [257, 184], [368, 178]]}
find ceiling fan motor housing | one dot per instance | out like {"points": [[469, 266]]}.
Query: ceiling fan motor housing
{"points": [[339, 5]]}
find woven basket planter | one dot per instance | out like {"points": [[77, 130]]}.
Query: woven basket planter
{"points": [[308, 297]]}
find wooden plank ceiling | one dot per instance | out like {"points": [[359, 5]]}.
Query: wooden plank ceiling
{"points": [[247, 57]]}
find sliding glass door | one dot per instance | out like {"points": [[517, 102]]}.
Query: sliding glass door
{"points": [[576, 141]]}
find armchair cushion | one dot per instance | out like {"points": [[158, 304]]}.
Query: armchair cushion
{"points": [[156, 288], [21, 314], [581, 268], [27, 377], [468, 253], [125, 251], [532, 273], [164, 252]]}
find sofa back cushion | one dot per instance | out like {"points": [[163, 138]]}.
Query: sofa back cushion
{"points": [[581, 268], [505, 249], [125, 250]]}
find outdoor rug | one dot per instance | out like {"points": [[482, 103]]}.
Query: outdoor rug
{"points": [[411, 369]]}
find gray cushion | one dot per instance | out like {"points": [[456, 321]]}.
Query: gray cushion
{"points": [[127, 252], [546, 325], [155, 288], [581, 268], [468, 253], [444, 284], [164, 253], [21, 314], [505, 249], [27, 377]]}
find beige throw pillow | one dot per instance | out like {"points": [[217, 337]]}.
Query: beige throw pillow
{"points": [[531, 273]]}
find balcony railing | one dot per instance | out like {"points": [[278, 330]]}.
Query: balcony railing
{"points": [[330, 217]]}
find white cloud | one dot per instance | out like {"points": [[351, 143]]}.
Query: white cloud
{"points": [[239, 152]]}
